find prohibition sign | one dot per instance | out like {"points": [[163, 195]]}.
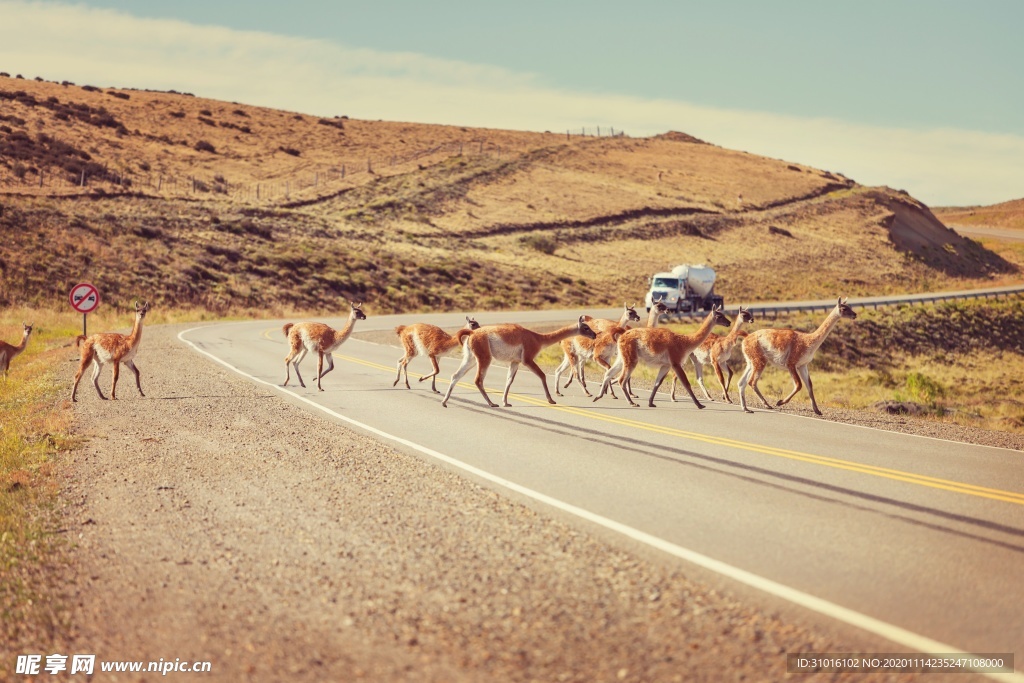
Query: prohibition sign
{"points": [[84, 298]]}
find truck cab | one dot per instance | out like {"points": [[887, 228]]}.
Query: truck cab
{"points": [[664, 286]]}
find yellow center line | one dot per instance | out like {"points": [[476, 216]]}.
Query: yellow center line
{"points": [[837, 463]]}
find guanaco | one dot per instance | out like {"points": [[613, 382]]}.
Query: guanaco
{"points": [[318, 337], [111, 347], [513, 344], [661, 348], [429, 340], [9, 351], [789, 349], [576, 351], [716, 350]]}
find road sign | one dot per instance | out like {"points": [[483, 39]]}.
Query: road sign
{"points": [[84, 298]]}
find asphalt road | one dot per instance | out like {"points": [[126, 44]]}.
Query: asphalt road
{"points": [[918, 540], [978, 232]]}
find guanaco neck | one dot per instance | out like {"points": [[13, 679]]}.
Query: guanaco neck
{"points": [[548, 338], [136, 335], [815, 339], [705, 328], [734, 331], [24, 341], [344, 332], [652, 317]]}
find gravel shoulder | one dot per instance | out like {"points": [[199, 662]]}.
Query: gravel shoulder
{"points": [[214, 522]]}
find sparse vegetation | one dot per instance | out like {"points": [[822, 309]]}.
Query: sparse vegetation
{"points": [[34, 431]]}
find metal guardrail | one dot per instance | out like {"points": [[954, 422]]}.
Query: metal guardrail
{"points": [[774, 309]]}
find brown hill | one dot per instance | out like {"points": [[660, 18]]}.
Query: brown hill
{"points": [[190, 201], [1004, 215]]}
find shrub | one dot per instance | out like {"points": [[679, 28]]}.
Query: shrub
{"points": [[178, 114], [924, 388], [204, 146], [290, 150], [541, 243]]}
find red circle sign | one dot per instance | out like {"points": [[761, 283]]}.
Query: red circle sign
{"points": [[84, 298]]}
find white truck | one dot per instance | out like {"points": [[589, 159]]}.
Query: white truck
{"points": [[685, 288]]}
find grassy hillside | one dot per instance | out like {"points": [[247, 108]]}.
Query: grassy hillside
{"points": [[190, 202], [1004, 215]]}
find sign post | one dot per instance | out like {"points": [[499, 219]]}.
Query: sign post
{"points": [[84, 299]]}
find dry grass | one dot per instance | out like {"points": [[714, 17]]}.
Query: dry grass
{"points": [[1005, 215], [34, 432]]}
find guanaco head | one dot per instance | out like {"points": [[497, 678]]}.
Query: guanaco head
{"points": [[584, 329], [141, 310], [27, 327], [844, 310], [746, 316], [357, 310], [632, 314], [472, 324], [720, 318], [659, 304]]}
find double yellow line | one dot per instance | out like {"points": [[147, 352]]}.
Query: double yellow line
{"points": [[836, 463]]}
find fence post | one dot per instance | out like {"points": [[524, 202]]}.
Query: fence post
{"points": [[343, 171]]}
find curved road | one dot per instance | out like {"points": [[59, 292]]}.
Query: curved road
{"points": [[918, 540]]}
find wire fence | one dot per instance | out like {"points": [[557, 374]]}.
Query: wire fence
{"points": [[313, 179]]}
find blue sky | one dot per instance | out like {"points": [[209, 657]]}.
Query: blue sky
{"points": [[925, 96]]}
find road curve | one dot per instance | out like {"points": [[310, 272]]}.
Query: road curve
{"points": [[918, 540]]}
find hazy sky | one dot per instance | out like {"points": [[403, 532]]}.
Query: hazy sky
{"points": [[925, 96]]}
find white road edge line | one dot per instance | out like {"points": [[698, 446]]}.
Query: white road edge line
{"points": [[877, 627]]}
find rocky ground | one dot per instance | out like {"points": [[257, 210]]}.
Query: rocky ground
{"points": [[214, 522]]}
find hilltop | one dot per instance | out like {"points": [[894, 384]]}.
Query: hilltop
{"points": [[189, 201]]}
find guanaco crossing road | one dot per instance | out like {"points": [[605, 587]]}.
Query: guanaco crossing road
{"points": [[918, 540]]}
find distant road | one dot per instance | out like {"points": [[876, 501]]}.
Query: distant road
{"points": [[1005, 234]]}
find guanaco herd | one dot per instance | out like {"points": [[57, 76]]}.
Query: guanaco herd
{"points": [[613, 345]]}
